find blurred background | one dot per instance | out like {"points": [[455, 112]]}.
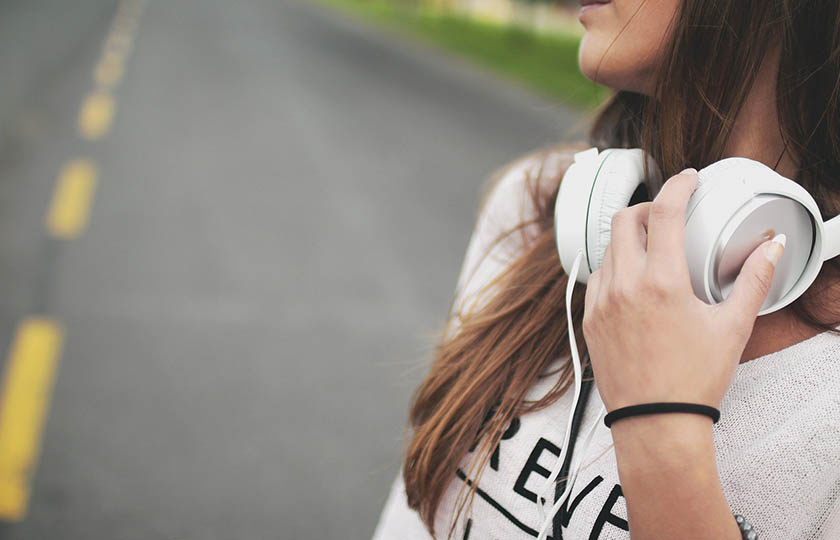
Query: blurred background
{"points": [[228, 233]]}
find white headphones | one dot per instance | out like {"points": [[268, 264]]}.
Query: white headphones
{"points": [[739, 203]]}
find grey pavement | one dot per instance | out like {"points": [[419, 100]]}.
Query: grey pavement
{"points": [[285, 199]]}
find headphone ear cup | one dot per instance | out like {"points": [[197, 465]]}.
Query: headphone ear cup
{"points": [[594, 188], [739, 204], [621, 175]]}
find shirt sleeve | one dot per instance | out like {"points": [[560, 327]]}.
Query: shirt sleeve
{"points": [[398, 521], [498, 239]]}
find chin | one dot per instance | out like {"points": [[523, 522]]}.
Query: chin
{"points": [[613, 71], [588, 63]]}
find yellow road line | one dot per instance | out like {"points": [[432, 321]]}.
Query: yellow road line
{"points": [[118, 43], [109, 70], [27, 386], [70, 207], [96, 115]]}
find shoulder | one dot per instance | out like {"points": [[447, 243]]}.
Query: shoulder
{"points": [[509, 211], [397, 519], [511, 185]]}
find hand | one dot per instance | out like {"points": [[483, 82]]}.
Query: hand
{"points": [[649, 337]]}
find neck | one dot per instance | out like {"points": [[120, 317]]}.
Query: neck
{"points": [[756, 135], [756, 132]]}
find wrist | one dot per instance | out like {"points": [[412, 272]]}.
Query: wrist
{"points": [[669, 477], [667, 440]]}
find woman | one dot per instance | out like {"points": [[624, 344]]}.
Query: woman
{"points": [[695, 81]]}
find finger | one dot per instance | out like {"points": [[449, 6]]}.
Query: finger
{"points": [[666, 222], [754, 281], [628, 237], [606, 272], [592, 286]]}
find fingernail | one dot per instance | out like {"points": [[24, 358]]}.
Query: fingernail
{"points": [[776, 248], [691, 170]]}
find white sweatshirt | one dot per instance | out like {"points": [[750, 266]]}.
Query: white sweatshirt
{"points": [[777, 443]]}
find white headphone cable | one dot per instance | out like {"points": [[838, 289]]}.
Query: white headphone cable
{"points": [[577, 382], [573, 471], [572, 476]]}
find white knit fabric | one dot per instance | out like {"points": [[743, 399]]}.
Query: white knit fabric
{"points": [[777, 443]]}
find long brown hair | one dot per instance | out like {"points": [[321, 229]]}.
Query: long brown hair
{"points": [[483, 370]]}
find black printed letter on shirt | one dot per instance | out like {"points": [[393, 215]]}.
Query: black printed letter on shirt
{"points": [[532, 466], [564, 515], [512, 429], [606, 515]]}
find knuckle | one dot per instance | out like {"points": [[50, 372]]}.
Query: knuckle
{"points": [[662, 275], [588, 324], [619, 294], [591, 321], [663, 210], [659, 284], [642, 207], [592, 285], [685, 178], [762, 283], [620, 218]]}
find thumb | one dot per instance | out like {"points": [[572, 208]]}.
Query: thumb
{"points": [[754, 281]]}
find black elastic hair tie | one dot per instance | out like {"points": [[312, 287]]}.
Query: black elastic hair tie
{"points": [[656, 408]]}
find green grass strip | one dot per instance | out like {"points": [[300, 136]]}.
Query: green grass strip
{"points": [[545, 62]]}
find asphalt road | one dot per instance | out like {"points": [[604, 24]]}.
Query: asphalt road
{"points": [[284, 198]]}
